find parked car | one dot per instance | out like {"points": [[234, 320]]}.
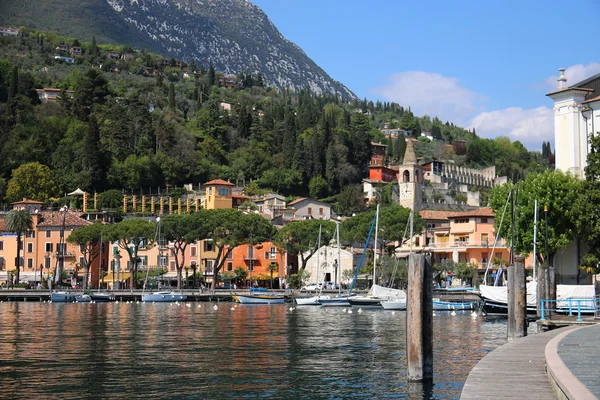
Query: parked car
{"points": [[311, 287]]}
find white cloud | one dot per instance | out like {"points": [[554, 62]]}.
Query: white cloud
{"points": [[432, 94], [530, 126], [574, 74]]}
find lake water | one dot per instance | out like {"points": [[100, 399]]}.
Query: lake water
{"points": [[160, 351]]}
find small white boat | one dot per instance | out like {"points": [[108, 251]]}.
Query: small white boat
{"points": [[259, 299], [83, 298], [164, 297], [310, 301], [62, 297], [450, 306], [399, 304]]}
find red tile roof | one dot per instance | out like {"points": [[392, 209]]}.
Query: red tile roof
{"points": [[435, 215], [219, 182], [291, 203], [480, 212], [25, 201], [444, 215], [55, 218]]}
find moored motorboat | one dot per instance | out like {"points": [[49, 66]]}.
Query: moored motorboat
{"points": [[339, 301], [450, 305], [164, 297], [259, 298], [83, 298], [62, 297], [102, 297], [310, 301]]}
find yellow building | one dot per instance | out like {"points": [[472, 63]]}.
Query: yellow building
{"points": [[218, 194]]}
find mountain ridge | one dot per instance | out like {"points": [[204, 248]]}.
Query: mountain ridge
{"points": [[236, 36]]}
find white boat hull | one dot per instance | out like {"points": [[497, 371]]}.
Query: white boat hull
{"points": [[335, 302], [394, 304], [310, 301], [84, 298], [164, 297], [259, 299]]}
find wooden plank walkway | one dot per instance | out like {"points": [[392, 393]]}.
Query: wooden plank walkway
{"points": [[516, 370]]}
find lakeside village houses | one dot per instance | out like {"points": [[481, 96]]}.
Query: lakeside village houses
{"points": [[450, 235]]}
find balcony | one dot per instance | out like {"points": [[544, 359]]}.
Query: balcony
{"points": [[66, 254], [464, 244]]}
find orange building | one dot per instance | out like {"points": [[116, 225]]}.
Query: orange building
{"points": [[42, 248], [256, 259]]}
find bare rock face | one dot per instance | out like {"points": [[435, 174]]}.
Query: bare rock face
{"points": [[234, 35]]}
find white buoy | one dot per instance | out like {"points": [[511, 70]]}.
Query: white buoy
{"points": [[188, 305], [232, 308], [199, 306], [215, 307], [117, 301], [393, 312], [349, 311], [344, 310], [474, 314], [453, 313], [433, 313], [360, 310]]}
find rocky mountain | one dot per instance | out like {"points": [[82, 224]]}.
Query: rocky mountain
{"points": [[234, 35]]}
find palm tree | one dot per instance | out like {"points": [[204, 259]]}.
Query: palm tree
{"points": [[272, 268], [19, 222]]}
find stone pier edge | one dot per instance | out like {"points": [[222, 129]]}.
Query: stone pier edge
{"points": [[565, 384]]}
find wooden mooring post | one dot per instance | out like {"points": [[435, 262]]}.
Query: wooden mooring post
{"points": [[517, 300], [419, 319]]}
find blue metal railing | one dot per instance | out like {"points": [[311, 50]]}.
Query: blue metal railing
{"points": [[567, 305]]}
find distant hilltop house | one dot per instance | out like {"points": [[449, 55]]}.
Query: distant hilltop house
{"points": [[227, 106], [62, 48], [307, 208], [192, 75], [128, 57], [148, 71], [114, 55], [9, 32], [75, 51], [229, 81], [51, 94], [393, 133]]}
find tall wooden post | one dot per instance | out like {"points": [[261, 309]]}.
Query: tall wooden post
{"points": [[197, 205], [152, 206], [143, 204], [125, 203], [179, 206], [517, 299], [162, 205], [134, 203], [170, 206], [419, 319], [541, 289], [188, 205], [96, 201]]}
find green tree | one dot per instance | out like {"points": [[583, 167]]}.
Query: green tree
{"points": [[19, 222], [318, 187], [211, 75], [240, 274], [13, 89], [553, 189], [272, 267], [301, 237], [181, 230], [131, 235], [88, 239], [172, 97], [111, 199], [33, 181], [229, 228]]}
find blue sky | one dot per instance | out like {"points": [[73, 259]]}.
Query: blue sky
{"points": [[479, 64]]}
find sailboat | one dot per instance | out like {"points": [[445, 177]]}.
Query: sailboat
{"points": [[163, 296], [377, 293], [339, 300], [314, 300]]}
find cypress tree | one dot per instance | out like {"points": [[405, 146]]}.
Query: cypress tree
{"points": [[211, 75], [94, 48], [14, 83], [171, 97]]}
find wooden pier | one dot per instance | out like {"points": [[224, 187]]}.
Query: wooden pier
{"points": [[516, 370]]}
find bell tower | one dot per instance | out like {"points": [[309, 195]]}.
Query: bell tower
{"points": [[410, 179]]}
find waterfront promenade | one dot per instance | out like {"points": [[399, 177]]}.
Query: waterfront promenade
{"points": [[561, 363]]}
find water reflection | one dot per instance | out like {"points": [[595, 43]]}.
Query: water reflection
{"points": [[169, 351]]}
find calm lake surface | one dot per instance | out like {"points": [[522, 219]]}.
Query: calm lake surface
{"points": [[157, 351]]}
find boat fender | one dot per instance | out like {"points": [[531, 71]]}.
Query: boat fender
{"points": [[163, 296]]}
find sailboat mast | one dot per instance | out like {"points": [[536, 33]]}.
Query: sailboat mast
{"points": [[318, 251], [339, 271], [535, 212], [375, 252]]}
